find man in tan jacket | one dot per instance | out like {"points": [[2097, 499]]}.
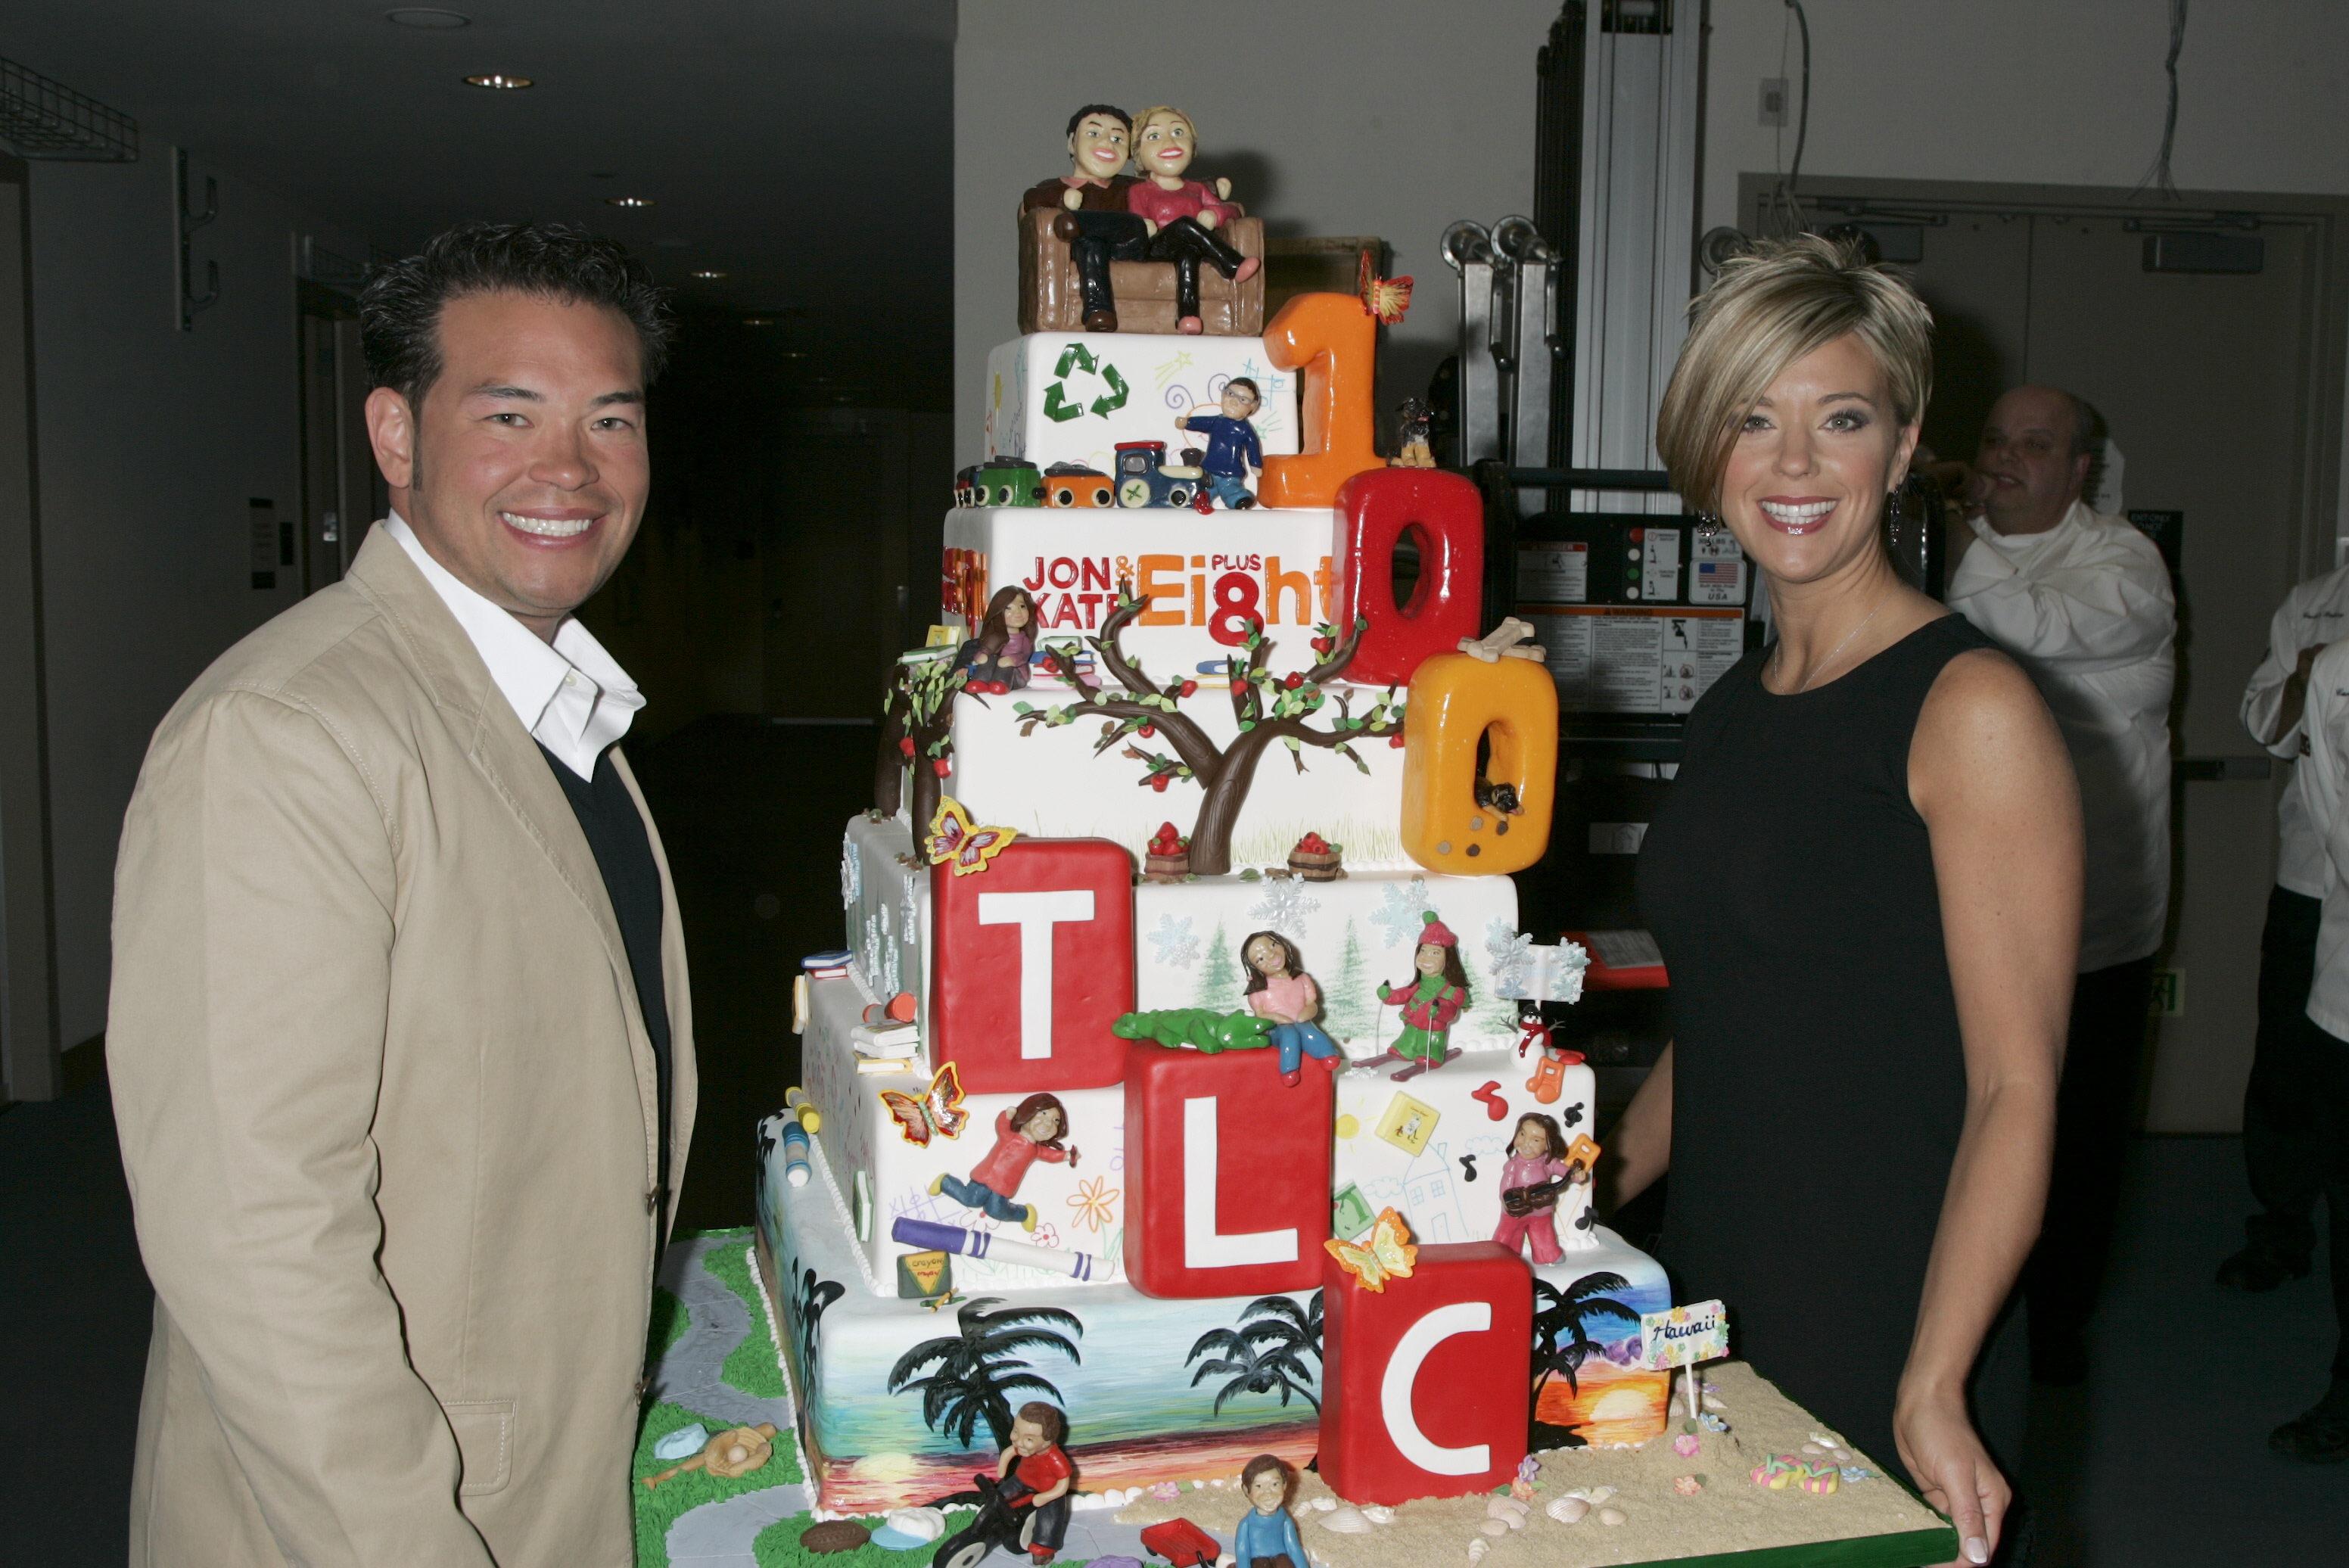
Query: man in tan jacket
{"points": [[399, 1036]]}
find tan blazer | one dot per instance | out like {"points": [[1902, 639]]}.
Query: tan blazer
{"points": [[386, 1104]]}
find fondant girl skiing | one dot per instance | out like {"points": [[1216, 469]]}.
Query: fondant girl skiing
{"points": [[1439, 996]]}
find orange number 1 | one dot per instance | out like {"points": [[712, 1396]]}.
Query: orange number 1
{"points": [[1334, 342]]}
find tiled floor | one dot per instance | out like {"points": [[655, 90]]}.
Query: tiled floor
{"points": [[2161, 1459]]}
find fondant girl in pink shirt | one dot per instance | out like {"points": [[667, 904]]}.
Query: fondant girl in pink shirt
{"points": [[1182, 213], [1537, 1155]]}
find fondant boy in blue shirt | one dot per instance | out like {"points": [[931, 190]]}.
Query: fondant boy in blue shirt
{"points": [[1267, 1536], [1233, 449]]}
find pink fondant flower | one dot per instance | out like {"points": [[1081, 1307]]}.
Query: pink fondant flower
{"points": [[1685, 1445], [1687, 1485]]}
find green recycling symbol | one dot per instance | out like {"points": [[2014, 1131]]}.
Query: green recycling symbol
{"points": [[1061, 409]]}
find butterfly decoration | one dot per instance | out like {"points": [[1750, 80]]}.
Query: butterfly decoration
{"points": [[1386, 1253], [953, 837], [936, 1113], [1384, 298]]}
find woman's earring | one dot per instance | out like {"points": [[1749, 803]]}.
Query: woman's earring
{"points": [[1708, 525]]}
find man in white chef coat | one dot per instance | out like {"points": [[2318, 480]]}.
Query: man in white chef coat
{"points": [[2283, 1150], [2083, 601], [2319, 1078]]}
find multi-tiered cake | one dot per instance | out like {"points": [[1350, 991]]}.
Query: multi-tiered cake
{"points": [[1075, 1134]]}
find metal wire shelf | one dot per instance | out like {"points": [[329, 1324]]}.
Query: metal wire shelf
{"points": [[45, 118]]}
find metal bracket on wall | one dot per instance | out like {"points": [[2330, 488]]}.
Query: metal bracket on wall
{"points": [[187, 223]]}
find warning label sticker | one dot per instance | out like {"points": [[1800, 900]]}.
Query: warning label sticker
{"points": [[1555, 573], [1717, 574], [1618, 658]]}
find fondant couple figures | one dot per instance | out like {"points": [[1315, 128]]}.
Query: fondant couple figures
{"points": [[1107, 215]]}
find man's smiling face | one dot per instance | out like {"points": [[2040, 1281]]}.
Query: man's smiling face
{"points": [[1098, 146], [524, 471]]}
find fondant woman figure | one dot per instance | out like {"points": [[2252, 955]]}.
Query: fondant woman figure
{"points": [[1430, 1003], [998, 657], [1536, 1159], [1267, 1534], [1182, 212], [1280, 989], [1026, 1134], [1866, 882]]}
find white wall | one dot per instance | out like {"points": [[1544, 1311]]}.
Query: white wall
{"points": [[1378, 117], [149, 442]]}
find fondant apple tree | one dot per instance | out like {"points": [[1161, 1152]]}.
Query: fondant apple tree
{"points": [[1296, 710]]}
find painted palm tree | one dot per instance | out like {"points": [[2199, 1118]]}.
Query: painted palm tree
{"points": [[813, 1297], [1265, 1352], [1562, 1339], [972, 1375]]}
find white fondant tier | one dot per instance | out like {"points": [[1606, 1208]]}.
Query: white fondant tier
{"points": [[1048, 782], [1202, 575], [1072, 396], [1350, 933], [1127, 1368]]}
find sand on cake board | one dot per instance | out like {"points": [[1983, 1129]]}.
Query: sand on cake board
{"points": [[1873, 1523]]}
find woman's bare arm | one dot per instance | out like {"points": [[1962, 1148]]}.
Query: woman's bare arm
{"points": [[1989, 774], [1641, 1143]]}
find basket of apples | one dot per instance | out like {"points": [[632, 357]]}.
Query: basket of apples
{"points": [[1316, 859], [1169, 857]]}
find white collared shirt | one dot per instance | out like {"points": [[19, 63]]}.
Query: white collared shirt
{"points": [[2087, 608], [571, 695], [2324, 773], [2314, 614]]}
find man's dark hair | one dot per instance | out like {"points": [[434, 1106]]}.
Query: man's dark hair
{"points": [[1110, 110], [1237, 382], [399, 309]]}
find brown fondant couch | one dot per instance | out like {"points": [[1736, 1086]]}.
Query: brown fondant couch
{"points": [[1049, 300]]}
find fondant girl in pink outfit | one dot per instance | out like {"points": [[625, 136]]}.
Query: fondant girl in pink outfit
{"points": [[1537, 1154], [1026, 1134]]}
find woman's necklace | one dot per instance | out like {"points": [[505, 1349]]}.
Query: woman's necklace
{"points": [[1820, 668]]}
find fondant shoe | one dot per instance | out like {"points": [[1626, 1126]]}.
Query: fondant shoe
{"points": [[937, 1185], [1101, 320], [2320, 1436], [1249, 266], [1292, 1077], [1028, 1221], [2259, 1268], [1191, 326]]}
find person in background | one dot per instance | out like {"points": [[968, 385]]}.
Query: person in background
{"points": [[2084, 603], [2282, 1152], [399, 1037], [2321, 1433]]}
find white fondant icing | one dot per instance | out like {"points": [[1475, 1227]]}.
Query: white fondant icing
{"points": [[1035, 914], [1206, 1245], [1281, 565], [1122, 386], [1411, 1353]]}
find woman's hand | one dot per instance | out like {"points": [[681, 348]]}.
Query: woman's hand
{"points": [[1953, 1469]]}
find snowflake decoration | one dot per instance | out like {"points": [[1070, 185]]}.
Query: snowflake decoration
{"points": [[1508, 953], [851, 874], [1399, 915], [1177, 948], [871, 946], [910, 923], [1284, 907], [1091, 1202]]}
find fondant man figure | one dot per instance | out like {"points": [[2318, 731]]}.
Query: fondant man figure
{"points": [[1280, 989], [998, 657], [1182, 213], [1267, 1533], [1026, 1134], [1530, 1184], [1233, 449], [1093, 218], [1431, 1002], [1036, 1472]]}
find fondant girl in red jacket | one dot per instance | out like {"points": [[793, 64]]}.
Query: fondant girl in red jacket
{"points": [[1437, 996], [1026, 1134]]}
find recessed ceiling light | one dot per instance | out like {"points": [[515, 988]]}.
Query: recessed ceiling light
{"points": [[627, 201], [757, 321], [426, 16], [708, 274], [499, 81]]}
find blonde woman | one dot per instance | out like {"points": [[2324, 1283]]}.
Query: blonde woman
{"points": [[1182, 213], [1866, 882]]}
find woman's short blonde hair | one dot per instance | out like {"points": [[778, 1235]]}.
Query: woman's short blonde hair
{"points": [[1159, 111], [1766, 310]]}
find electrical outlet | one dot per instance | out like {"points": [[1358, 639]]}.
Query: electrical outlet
{"points": [[1773, 100]]}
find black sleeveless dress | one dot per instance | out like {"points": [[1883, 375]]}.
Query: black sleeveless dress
{"points": [[1818, 1080]]}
